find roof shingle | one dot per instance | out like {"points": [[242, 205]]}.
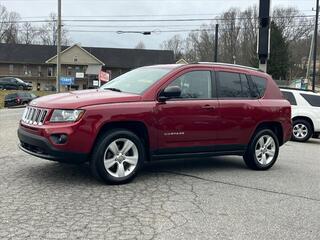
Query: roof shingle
{"points": [[112, 57]]}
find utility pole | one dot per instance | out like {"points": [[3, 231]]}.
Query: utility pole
{"points": [[264, 34], [309, 60], [315, 48], [59, 46], [216, 43]]}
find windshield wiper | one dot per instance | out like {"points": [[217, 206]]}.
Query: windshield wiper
{"points": [[113, 89]]}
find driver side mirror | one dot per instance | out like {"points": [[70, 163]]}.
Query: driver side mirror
{"points": [[170, 92]]}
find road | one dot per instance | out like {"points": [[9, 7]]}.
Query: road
{"points": [[216, 198]]}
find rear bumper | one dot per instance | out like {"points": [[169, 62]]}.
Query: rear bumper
{"points": [[40, 147]]}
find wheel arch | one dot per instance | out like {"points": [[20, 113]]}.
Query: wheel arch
{"points": [[276, 127], [137, 127], [309, 120]]}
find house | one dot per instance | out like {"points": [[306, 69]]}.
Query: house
{"points": [[181, 61], [37, 63]]}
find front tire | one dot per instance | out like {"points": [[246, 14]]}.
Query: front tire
{"points": [[263, 150], [117, 156], [301, 130]]}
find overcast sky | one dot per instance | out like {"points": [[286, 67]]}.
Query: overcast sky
{"points": [[133, 9]]}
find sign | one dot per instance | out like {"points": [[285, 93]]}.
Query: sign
{"points": [[104, 76], [96, 83], [65, 81], [79, 75]]}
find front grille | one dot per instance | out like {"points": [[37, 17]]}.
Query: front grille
{"points": [[34, 116]]}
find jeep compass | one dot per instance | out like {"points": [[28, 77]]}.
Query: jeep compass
{"points": [[161, 112]]}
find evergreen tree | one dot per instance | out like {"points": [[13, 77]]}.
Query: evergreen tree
{"points": [[278, 64]]}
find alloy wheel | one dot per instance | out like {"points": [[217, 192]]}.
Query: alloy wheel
{"points": [[265, 149], [300, 131], [121, 157]]}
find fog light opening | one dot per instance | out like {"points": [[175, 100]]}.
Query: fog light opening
{"points": [[59, 138]]}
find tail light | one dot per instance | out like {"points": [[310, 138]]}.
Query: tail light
{"points": [[18, 100]]}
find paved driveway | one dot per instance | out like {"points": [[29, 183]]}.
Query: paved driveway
{"points": [[217, 198]]}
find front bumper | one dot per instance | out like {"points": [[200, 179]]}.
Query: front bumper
{"points": [[41, 147]]}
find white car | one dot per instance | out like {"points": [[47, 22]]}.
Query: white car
{"points": [[305, 107]]}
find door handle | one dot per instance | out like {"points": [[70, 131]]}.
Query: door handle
{"points": [[208, 107]]}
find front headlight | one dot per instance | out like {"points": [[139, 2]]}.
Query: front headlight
{"points": [[60, 115]]}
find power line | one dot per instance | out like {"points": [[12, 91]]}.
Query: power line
{"points": [[133, 15], [156, 20], [159, 30], [287, 1]]}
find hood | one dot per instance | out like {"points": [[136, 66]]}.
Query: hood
{"points": [[78, 99]]}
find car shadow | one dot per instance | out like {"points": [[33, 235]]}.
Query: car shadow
{"points": [[312, 141], [70, 174], [225, 163]]}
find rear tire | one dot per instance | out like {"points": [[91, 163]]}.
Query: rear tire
{"points": [[117, 156], [262, 151], [301, 130]]}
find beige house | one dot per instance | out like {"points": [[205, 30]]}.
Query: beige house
{"points": [[77, 62]]}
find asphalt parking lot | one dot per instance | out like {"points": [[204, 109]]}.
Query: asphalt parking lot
{"points": [[217, 198]]}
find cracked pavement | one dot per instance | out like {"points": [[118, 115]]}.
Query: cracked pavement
{"points": [[216, 198]]}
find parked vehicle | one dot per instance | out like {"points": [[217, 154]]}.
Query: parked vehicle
{"points": [[50, 88], [19, 98], [12, 83], [161, 112], [305, 113]]}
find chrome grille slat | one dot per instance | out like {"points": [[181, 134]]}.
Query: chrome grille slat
{"points": [[28, 115], [34, 116]]}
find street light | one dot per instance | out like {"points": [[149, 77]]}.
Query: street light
{"points": [[155, 31], [140, 32]]}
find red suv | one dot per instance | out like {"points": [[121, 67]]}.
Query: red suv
{"points": [[161, 112]]}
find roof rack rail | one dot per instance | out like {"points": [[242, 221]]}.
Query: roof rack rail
{"points": [[298, 89], [230, 64]]}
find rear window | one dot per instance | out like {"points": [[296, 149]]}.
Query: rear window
{"points": [[260, 84], [290, 97], [313, 100], [233, 85]]}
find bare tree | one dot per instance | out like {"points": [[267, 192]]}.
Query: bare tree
{"points": [[8, 26], [292, 23], [28, 34], [175, 44], [248, 37], [3, 19], [229, 35], [140, 45], [238, 33], [200, 44], [48, 32]]}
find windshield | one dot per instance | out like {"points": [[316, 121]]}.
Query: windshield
{"points": [[136, 81], [19, 80]]}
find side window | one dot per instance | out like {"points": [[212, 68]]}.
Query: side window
{"points": [[11, 96], [195, 84], [245, 86], [313, 100], [290, 97], [260, 84], [233, 85]]}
